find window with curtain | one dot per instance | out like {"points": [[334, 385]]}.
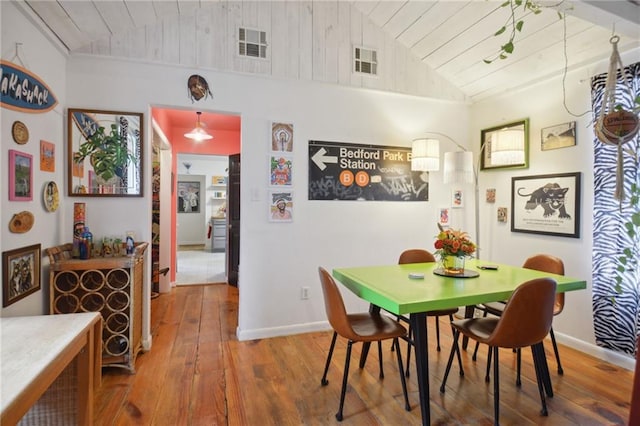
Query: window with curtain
{"points": [[616, 314]]}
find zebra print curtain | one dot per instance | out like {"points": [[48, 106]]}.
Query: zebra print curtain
{"points": [[616, 316]]}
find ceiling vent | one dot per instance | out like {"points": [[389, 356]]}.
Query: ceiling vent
{"points": [[365, 61], [252, 43]]}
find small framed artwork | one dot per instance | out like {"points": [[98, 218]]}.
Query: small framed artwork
{"points": [[502, 214], [218, 180], [21, 273], [188, 196], [443, 217], [280, 170], [282, 137], [47, 156], [558, 136], [546, 204], [505, 146], [281, 206], [457, 198], [51, 196], [491, 195], [20, 176]]}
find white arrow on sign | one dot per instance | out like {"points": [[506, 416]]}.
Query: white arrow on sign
{"points": [[321, 159]]}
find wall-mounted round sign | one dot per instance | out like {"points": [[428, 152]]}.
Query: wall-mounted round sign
{"points": [[51, 196], [20, 132]]}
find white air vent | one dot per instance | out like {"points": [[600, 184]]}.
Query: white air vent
{"points": [[365, 61], [252, 43]]}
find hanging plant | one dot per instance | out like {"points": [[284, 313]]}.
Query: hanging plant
{"points": [[618, 122], [519, 9]]}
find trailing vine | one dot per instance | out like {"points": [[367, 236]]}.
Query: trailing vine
{"points": [[519, 9]]}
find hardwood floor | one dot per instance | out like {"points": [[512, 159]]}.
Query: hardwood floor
{"points": [[197, 373]]}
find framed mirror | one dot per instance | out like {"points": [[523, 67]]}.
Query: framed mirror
{"points": [[105, 154], [505, 146]]}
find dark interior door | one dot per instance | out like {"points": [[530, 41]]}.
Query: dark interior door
{"points": [[233, 217]]}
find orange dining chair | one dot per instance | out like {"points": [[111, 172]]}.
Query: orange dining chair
{"points": [[525, 321], [360, 327], [539, 262], [423, 256]]}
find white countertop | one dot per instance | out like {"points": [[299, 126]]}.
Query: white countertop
{"points": [[28, 345]]}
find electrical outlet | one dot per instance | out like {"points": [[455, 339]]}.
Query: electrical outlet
{"points": [[304, 293]]}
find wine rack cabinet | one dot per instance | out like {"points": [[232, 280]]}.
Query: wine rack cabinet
{"points": [[109, 285]]}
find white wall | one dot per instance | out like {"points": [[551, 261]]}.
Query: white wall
{"points": [[38, 55], [276, 259], [543, 105]]}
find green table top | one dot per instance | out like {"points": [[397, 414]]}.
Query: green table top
{"points": [[390, 287]]}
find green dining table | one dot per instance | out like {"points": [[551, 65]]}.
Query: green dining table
{"points": [[415, 289]]}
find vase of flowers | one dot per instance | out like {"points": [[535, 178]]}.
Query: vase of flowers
{"points": [[452, 248]]}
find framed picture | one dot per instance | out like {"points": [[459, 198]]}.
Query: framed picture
{"points": [[20, 176], [502, 214], [281, 206], [457, 198], [505, 146], [443, 217], [21, 273], [491, 195], [558, 136], [280, 170], [47, 156], [188, 196], [282, 137], [546, 204]]}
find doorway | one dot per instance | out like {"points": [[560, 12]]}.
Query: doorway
{"points": [[172, 125], [201, 219]]}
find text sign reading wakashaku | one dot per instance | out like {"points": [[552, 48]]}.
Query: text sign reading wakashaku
{"points": [[344, 171], [21, 90]]}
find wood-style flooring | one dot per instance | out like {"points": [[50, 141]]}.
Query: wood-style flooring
{"points": [[198, 373]]}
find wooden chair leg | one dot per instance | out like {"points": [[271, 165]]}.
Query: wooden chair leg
{"points": [[324, 381], [437, 333]]}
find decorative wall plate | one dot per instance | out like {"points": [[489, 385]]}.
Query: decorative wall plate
{"points": [[21, 222], [51, 196], [20, 132]]}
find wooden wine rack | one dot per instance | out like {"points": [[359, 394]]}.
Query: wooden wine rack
{"points": [[109, 285]]}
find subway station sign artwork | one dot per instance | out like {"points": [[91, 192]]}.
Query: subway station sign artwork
{"points": [[345, 171]]}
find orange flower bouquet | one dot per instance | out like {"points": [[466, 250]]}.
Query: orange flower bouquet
{"points": [[452, 247], [451, 242]]}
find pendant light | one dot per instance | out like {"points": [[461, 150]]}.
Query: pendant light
{"points": [[198, 134]]}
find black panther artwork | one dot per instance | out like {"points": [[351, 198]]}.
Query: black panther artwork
{"points": [[550, 197]]}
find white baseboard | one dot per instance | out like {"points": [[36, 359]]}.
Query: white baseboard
{"points": [[616, 358], [264, 333], [621, 360]]}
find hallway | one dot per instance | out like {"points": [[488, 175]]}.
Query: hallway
{"points": [[199, 266]]}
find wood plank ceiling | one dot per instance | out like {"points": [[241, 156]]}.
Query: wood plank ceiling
{"points": [[453, 37]]}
